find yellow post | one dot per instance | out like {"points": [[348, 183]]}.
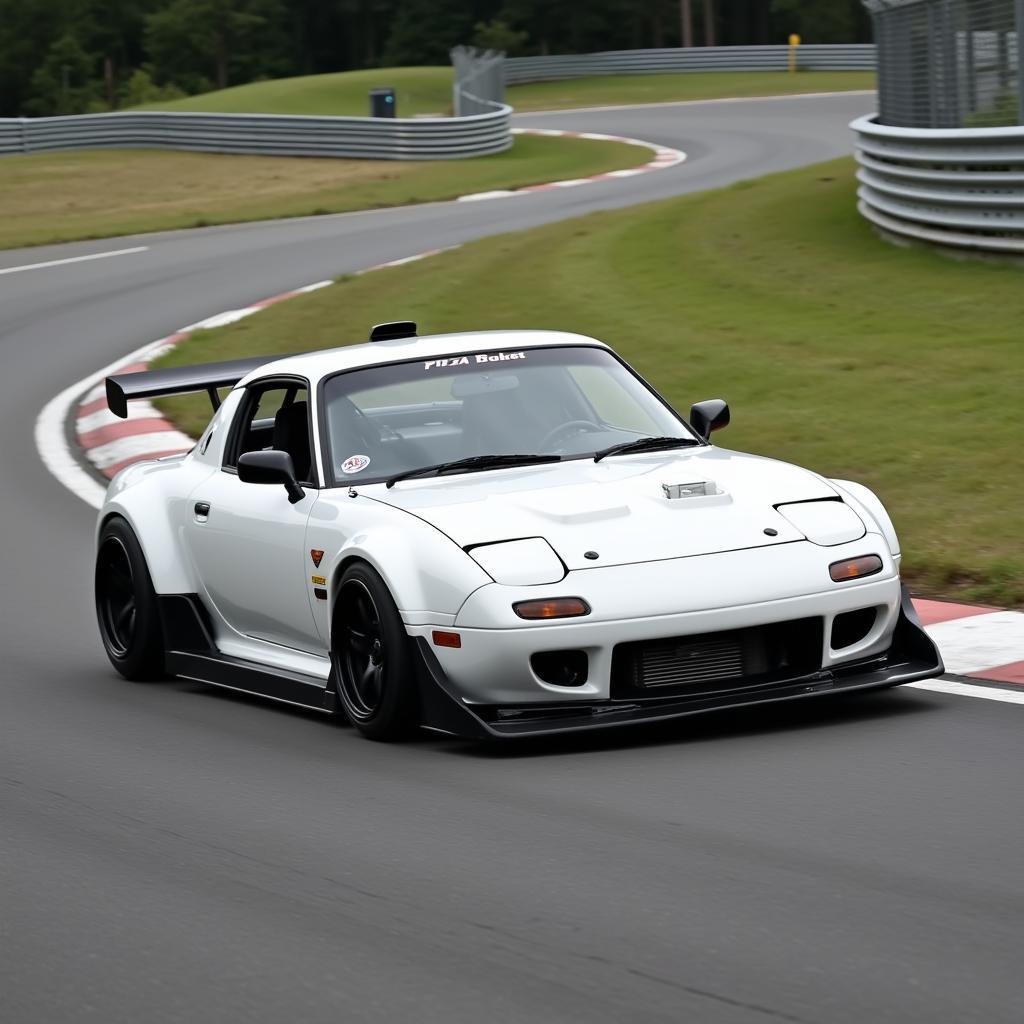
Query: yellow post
{"points": [[794, 42]]}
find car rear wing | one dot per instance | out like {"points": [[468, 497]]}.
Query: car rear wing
{"points": [[179, 380]]}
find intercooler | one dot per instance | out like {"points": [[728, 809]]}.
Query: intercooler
{"points": [[712, 662]]}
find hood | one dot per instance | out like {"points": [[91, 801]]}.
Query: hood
{"points": [[627, 509]]}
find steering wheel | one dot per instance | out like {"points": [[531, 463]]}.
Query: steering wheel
{"points": [[570, 429]]}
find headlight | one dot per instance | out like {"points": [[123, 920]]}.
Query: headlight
{"points": [[519, 563], [824, 522]]}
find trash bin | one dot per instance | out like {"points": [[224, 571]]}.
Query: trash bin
{"points": [[382, 103]]}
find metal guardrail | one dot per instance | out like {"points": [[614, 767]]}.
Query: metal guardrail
{"points": [[957, 187], [812, 57], [10, 137], [434, 138]]}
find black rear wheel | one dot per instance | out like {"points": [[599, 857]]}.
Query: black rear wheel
{"points": [[372, 657], [126, 607]]}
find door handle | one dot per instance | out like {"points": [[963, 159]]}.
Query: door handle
{"points": [[202, 510]]}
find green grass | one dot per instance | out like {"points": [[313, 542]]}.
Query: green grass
{"points": [[429, 91], [859, 359], [628, 89], [60, 197], [418, 91]]}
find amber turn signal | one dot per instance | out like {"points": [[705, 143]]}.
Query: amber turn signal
{"points": [[443, 639], [552, 608], [855, 568]]}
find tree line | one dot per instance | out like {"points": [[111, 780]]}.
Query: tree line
{"points": [[75, 56]]}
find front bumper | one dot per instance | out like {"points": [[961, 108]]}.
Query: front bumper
{"points": [[911, 656]]}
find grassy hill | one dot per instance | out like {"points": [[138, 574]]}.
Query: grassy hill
{"points": [[418, 91]]}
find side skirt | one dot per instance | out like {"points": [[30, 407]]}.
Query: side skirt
{"points": [[191, 654]]}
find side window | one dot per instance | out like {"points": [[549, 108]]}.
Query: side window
{"points": [[275, 416]]}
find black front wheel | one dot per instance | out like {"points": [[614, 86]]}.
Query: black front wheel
{"points": [[126, 606], [372, 657]]}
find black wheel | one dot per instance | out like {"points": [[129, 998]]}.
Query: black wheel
{"points": [[373, 665], [126, 607]]}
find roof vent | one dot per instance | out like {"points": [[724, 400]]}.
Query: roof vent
{"points": [[394, 330]]}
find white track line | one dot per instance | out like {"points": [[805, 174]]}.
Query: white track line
{"points": [[401, 262], [958, 689], [74, 259], [499, 193]]}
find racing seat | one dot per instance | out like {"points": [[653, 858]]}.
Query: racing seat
{"points": [[291, 435]]}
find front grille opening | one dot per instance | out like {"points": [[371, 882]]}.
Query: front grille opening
{"points": [[714, 662], [561, 668], [850, 628]]}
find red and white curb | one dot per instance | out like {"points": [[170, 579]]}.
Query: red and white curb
{"points": [[987, 643], [664, 156], [983, 643]]}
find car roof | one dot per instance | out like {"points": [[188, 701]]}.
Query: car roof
{"points": [[317, 365]]}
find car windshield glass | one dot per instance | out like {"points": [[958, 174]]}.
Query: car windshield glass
{"points": [[568, 402]]}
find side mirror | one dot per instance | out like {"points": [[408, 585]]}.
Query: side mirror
{"points": [[708, 416], [271, 467]]}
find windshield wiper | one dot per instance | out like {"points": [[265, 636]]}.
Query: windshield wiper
{"points": [[473, 464], [646, 444]]}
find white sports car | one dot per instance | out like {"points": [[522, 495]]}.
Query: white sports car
{"points": [[493, 535]]}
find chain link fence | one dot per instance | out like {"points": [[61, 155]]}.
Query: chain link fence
{"points": [[479, 81], [948, 63]]}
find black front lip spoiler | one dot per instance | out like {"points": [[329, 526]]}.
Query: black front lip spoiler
{"points": [[911, 657]]}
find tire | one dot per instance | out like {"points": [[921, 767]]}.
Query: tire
{"points": [[126, 605], [372, 658]]}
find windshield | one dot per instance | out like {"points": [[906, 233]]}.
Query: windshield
{"points": [[568, 402]]}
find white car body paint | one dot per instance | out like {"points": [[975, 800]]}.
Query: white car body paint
{"points": [[665, 567], [531, 561]]}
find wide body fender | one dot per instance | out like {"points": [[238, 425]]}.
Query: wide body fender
{"points": [[429, 576], [153, 498]]}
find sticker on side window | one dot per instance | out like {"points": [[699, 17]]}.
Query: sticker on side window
{"points": [[355, 464]]}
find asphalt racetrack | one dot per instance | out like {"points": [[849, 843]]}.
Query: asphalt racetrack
{"points": [[169, 852]]}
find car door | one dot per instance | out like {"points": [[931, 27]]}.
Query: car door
{"points": [[247, 540]]}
